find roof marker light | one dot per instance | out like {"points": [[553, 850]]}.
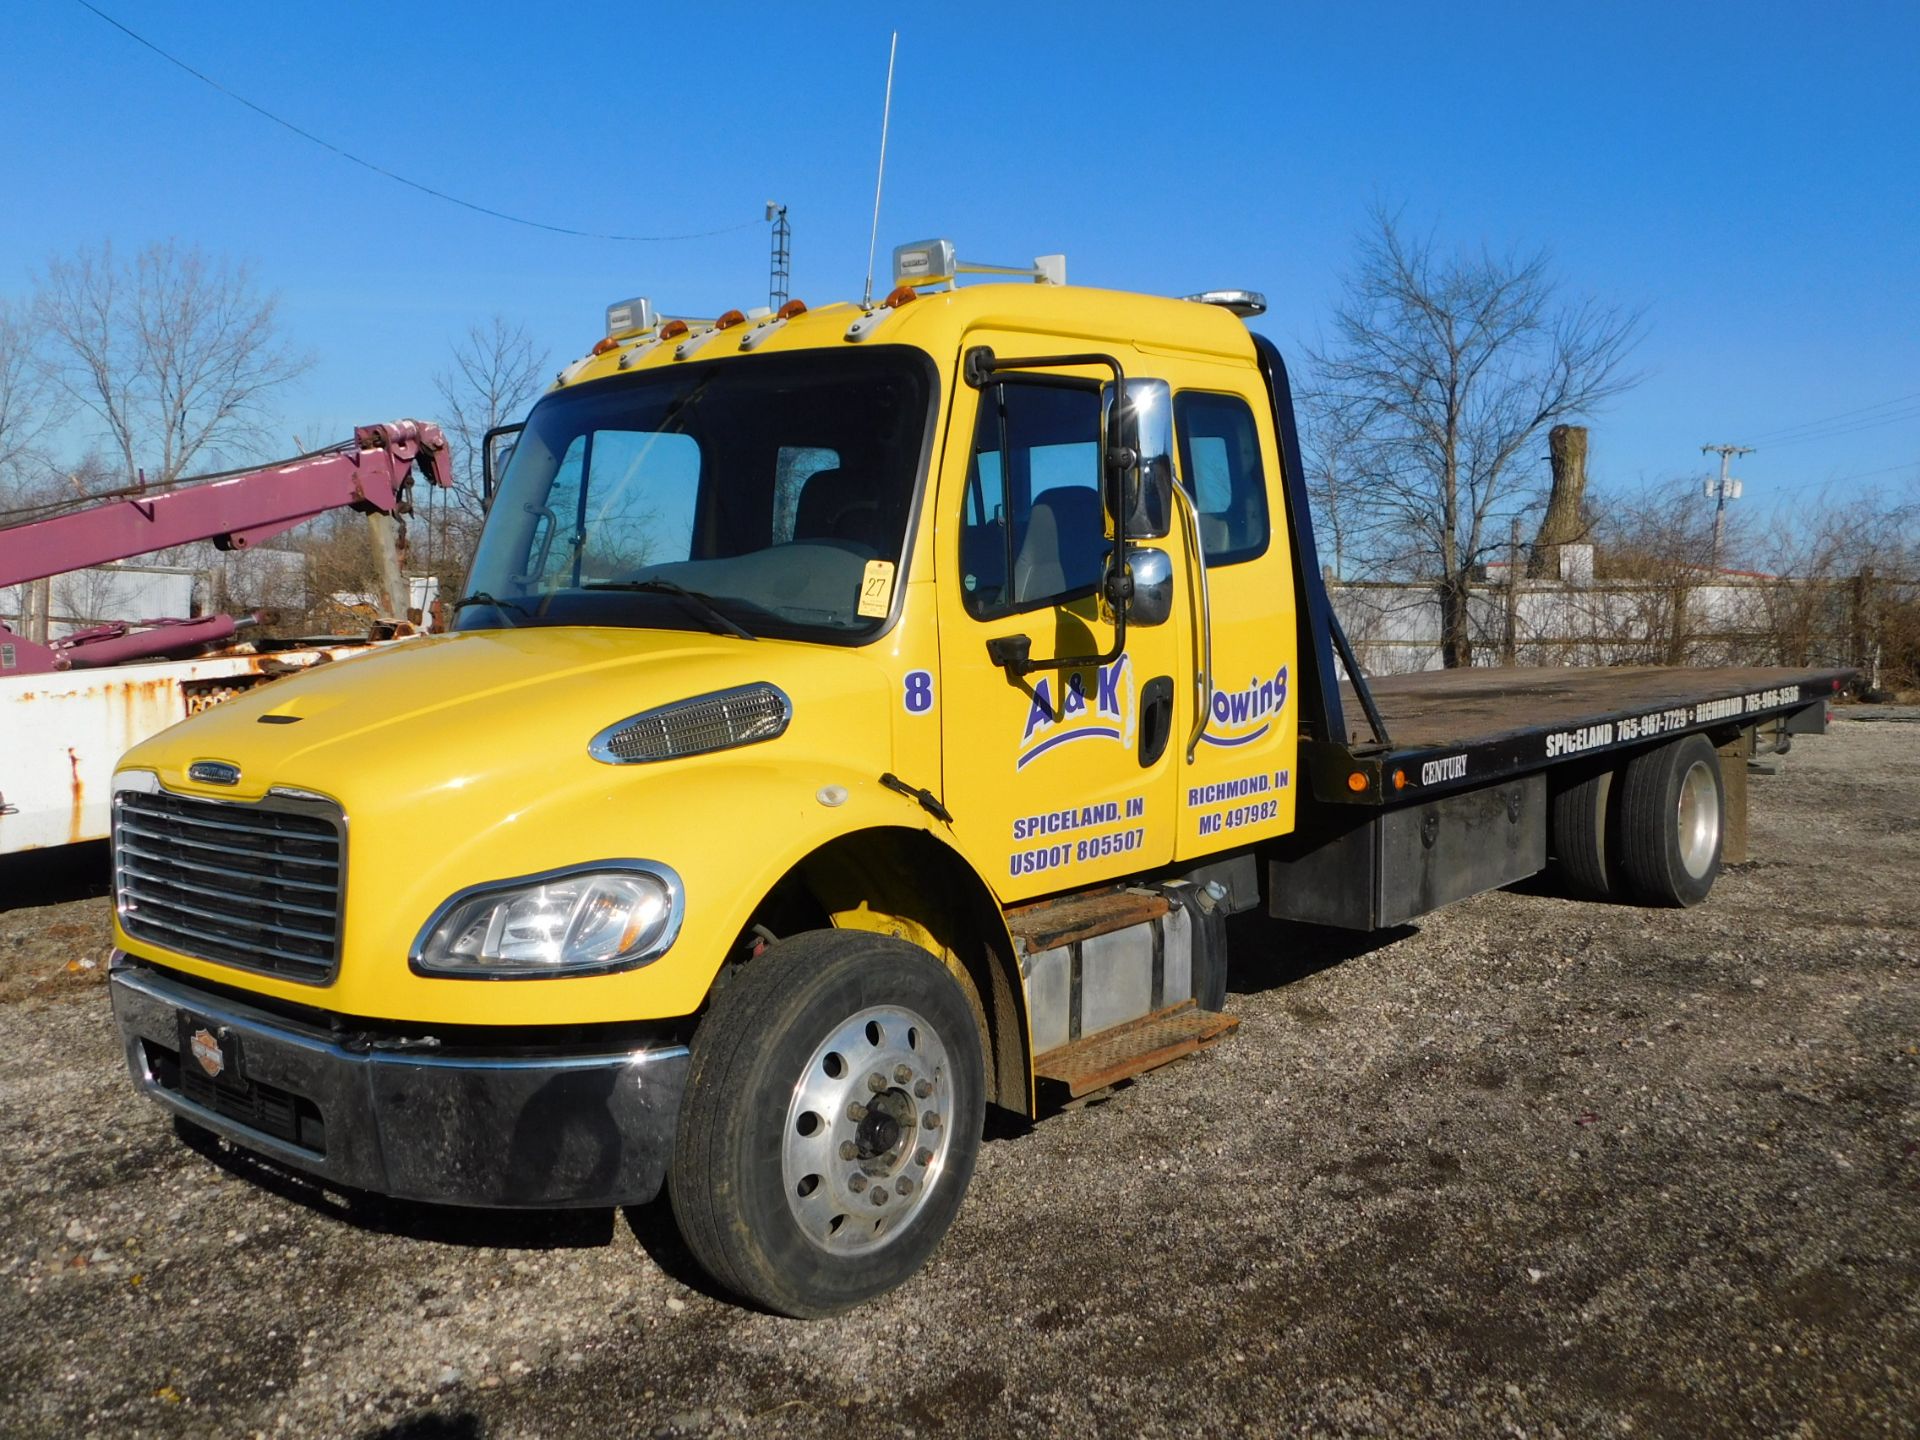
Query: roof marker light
{"points": [[672, 329], [900, 295], [791, 309], [601, 346], [729, 320]]}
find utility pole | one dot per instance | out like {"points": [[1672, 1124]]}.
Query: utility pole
{"points": [[1723, 490], [782, 269]]}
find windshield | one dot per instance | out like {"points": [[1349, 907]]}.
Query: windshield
{"points": [[742, 495]]}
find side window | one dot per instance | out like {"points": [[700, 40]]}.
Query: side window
{"points": [[1220, 466], [1032, 532]]}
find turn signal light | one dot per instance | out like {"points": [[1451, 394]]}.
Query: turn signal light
{"points": [[1356, 782], [1399, 779]]}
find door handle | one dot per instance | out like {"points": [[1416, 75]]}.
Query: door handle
{"points": [[1156, 719]]}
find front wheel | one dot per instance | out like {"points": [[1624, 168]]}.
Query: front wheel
{"points": [[831, 1121]]}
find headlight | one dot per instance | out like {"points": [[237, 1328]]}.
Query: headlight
{"points": [[566, 922]]}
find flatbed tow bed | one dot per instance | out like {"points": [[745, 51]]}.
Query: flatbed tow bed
{"points": [[1453, 729], [1451, 782]]}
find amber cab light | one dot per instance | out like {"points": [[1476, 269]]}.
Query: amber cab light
{"points": [[791, 309], [606, 343], [673, 329], [900, 296], [729, 320]]}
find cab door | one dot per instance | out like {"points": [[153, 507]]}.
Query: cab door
{"points": [[1063, 777], [1239, 786]]}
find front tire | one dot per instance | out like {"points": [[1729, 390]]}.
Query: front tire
{"points": [[831, 1121]]}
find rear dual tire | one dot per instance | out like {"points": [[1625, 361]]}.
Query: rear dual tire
{"points": [[1649, 831], [1672, 823]]}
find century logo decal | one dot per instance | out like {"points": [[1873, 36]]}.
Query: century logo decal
{"points": [[1093, 705], [214, 772], [1239, 717]]}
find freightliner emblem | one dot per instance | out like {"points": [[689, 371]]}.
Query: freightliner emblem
{"points": [[214, 772]]}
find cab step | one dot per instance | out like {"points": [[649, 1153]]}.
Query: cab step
{"points": [[1104, 1059], [1050, 924]]}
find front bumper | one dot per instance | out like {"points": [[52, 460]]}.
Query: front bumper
{"points": [[507, 1131]]}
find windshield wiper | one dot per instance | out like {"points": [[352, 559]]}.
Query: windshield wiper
{"points": [[703, 603], [481, 597]]}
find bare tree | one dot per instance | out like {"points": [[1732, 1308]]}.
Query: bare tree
{"points": [[29, 403], [1653, 555], [1332, 488], [496, 372], [1446, 370], [1841, 571], [174, 352]]}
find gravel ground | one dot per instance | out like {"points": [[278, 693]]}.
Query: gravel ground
{"points": [[1532, 1168]]}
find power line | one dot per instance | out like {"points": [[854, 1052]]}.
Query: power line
{"points": [[1785, 430], [308, 135], [1845, 428]]}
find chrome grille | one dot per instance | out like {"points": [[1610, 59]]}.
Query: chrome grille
{"points": [[256, 886], [694, 727]]}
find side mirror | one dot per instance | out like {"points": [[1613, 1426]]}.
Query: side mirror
{"points": [[1152, 573], [1140, 459], [496, 449]]}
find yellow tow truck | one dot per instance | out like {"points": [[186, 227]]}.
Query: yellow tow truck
{"points": [[858, 716]]}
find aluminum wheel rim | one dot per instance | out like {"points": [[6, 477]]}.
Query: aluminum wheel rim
{"points": [[867, 1131], [1699, 819]]}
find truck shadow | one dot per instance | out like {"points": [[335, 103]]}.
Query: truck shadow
{"points": [[36, 878], [1268, 954], [431, 1425], [407, 1219], [651, 1224]]}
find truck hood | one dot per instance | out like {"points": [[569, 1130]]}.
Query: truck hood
{"points": [[512, 710]]}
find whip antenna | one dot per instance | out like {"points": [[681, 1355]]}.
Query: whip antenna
{"points": [[886, 114]]}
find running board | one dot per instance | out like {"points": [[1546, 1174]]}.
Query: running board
{"points": [[1050, 924], [1132, 1049]]}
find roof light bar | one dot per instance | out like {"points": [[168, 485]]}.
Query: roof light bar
{"points": [[935, 262], [1244, 303]]}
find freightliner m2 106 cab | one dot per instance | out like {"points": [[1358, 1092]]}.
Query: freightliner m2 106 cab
{"points": [[858, 716]]}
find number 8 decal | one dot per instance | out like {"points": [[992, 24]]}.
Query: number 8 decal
{"points": [[919, 696]]}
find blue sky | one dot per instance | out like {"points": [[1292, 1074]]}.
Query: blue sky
{"points": [[1750, 175]]}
